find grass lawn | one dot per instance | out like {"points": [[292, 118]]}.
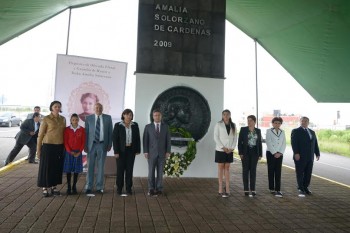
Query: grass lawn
{"points": [[339, 148], [330, 141]]}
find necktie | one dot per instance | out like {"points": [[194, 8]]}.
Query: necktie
{"points": [[97, 129], [308, 133], [157, 128]]}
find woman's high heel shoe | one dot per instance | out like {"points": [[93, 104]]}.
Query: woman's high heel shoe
{"points": [[55, 192], [45, 192]]}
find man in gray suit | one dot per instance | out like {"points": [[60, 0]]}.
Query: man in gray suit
{"points": [[156, 147], [26, 136], [98, 128]]}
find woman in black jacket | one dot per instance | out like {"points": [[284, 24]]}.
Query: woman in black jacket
{"points": [[126, 145], [250, 151]]}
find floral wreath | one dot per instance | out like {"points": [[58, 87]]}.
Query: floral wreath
{"points": [[177, 163]]}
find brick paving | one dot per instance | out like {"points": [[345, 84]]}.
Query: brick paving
{"points": [[188, 205]]}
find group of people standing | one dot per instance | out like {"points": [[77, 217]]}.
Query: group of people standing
{"points": [[304, 145], [60, 148]]}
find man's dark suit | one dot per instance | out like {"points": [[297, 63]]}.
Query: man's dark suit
{"points": [[125, 162], [23, 137], [156, 145], [306, 147]]}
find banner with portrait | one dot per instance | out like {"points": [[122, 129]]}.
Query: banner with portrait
{"points": [[81, 82]]}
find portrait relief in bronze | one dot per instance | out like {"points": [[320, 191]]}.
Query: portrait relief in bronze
{"points": [[184, 107]]}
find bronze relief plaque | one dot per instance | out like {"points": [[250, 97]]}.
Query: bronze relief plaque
{"points": [[184, 107]]}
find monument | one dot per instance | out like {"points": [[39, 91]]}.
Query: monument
{"points": [[180, 70]]}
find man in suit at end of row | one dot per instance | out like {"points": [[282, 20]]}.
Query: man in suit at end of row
{"points": [[305, 147]]}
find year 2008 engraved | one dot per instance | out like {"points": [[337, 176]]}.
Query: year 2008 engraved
{"points": [[162, 43]]}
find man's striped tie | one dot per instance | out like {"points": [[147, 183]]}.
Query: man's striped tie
{"points": [[97, 129]]}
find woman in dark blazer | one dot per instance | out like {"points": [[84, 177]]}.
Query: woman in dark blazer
{"points": [[126, 145], [250, 151]]}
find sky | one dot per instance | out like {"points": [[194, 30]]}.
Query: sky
{"points": [[108, 30]]}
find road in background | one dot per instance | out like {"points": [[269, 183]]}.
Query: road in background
{"points": [[7, 142], [330, 166]]}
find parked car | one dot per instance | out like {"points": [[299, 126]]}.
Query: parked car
{"points": [[9, 119]]}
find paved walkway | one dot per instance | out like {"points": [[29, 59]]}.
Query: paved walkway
{"points": [[189, 205]]}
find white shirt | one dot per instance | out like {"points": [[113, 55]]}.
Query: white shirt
{"points": [[128, 133], [36, 126], [74, 129], [275, 141], [222, 139], [101, 126], [155, 126]]}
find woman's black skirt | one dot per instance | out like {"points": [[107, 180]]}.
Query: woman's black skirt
{"points": [[222, 157], [51, 165]]}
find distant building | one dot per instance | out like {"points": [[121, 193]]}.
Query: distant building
{"points": [[288, 120]]}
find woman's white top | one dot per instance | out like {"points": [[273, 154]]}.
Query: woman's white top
{"points": [[222, 139], [275, 141]]}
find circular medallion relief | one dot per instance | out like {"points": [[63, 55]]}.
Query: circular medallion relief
{"points": [[184, 107]]}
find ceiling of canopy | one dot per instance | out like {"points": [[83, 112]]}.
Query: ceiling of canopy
{"points": [[309, 38]]}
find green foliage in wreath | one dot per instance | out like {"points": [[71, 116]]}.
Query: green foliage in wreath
{"points": [[177, 163]]}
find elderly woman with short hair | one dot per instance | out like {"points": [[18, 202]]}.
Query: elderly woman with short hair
{"points": [[276, 145]]}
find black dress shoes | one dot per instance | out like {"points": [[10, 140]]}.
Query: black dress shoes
{"points": [[89, 193], [152, 193], [278, 194], [301, 193], [307, 191], [34, 162], [74, 190]]}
